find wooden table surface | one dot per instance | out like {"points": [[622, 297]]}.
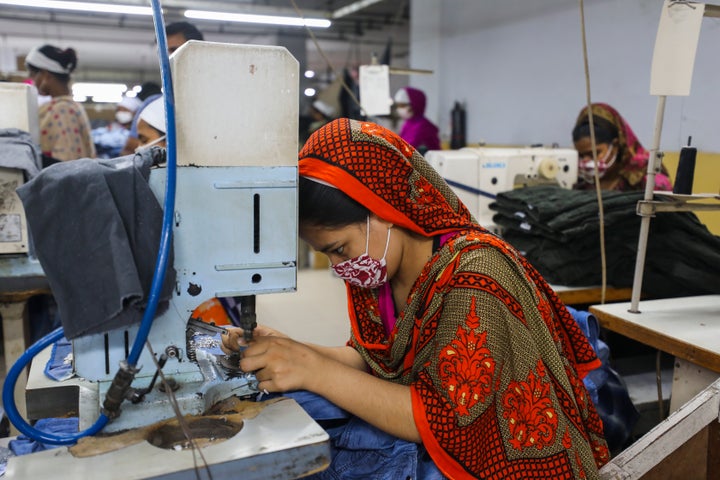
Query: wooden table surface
{"points": [[687, 327]]}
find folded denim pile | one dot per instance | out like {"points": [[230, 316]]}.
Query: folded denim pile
{"points": [[557, 230]]}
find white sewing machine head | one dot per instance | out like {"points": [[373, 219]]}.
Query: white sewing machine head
{"points": [[235, 229], [477, 175], [19, 110]]}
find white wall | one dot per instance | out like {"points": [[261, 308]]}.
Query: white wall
{"points": [[518, 65]]}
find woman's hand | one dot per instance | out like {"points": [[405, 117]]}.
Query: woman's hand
{"points": [[281, 364], [233, 338]]}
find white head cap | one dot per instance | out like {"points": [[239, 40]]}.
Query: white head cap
{"points": [[131, 103], [38, 59], [324, 108], [154, 114], [402, 96]]}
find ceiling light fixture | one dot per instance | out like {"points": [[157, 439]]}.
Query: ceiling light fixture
{"points": [[81, 6], [262, 19], [353, 7], [99, 92]]}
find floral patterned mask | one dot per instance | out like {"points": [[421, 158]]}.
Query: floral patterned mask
{"points": [[364, 271]]}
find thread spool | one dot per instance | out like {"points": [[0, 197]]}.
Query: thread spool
{"points": [[457, 127], [686, 170]]}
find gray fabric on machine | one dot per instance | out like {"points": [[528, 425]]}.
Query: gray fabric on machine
{"points": [[17, 150], [96, 227]]}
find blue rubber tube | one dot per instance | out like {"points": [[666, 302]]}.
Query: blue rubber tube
{"points": [[169, 208], [8, 396]]}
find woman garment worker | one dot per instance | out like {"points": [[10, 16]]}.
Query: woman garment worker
{"points": [[416, 129], [622, 160], [65, 132], [458, 347]]}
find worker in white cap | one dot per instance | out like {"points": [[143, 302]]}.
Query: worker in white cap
{"points": [[110, 139], [151, 124]]}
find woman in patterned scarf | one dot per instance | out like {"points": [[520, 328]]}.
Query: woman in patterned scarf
{"points": [[622, 160], [458, 345]]}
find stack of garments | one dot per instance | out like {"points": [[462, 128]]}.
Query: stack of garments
{"points": [[558, 232]]}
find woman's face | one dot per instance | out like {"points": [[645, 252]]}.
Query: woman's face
{"points": [[344, 243], [39, 78], [584, 149], [146, 134]]}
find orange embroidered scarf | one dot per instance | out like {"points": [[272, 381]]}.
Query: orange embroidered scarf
{"points": [[493, 358]]}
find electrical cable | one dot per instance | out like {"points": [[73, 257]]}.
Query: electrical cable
{"points": [[598, 191], [327, 60], [171, 171]]}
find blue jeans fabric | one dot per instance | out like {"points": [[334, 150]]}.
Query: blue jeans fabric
{"points": [[361, 451]]}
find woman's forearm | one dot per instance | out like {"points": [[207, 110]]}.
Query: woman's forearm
{"points": [[386, 405]]}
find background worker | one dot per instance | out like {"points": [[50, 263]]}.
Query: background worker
{"points": [[65, 132], [416, 129], [459, 349], [152, 125], [111, 138], [622, 160], [177, 34]]}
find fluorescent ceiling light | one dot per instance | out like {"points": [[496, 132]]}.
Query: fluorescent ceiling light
{"points": [[99, 92], [353, 7], [81, 6], [263, 19]]}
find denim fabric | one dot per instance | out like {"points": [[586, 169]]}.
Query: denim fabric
{"points": [[607, 389], [361, 451], [23, 444]]}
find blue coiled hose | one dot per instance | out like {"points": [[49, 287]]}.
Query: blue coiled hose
{"points": [[8, 396]]}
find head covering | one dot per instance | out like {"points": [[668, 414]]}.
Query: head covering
{"points": [[324, 108], [455, 342], [131, 103], [154, 114], [41, 61], [634, 158], [416, 98], [421, 201], [401, 96]]}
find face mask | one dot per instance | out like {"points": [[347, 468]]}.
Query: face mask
{"points": [[403, 112], [587, 167], [123, 117], [364, 271], [147, 146]]}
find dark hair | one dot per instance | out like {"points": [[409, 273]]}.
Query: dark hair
{"points": [[605, 132], [327, 206], [189, 31], [66, 58], [147, 89]]}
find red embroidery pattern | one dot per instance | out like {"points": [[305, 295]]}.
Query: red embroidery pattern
{"points": [[489, 285], [490, 461], [425, 193], [566, 440], [532, 420], [466, 367]]}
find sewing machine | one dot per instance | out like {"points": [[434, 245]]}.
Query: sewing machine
{"points": [[19, 111], [477, 175], [235, 232], [234, 235]]}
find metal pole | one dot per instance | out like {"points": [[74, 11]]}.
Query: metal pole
{"points": [[645, 221]]}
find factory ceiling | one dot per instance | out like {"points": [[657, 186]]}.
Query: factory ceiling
{"points": [[121, 47]]}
